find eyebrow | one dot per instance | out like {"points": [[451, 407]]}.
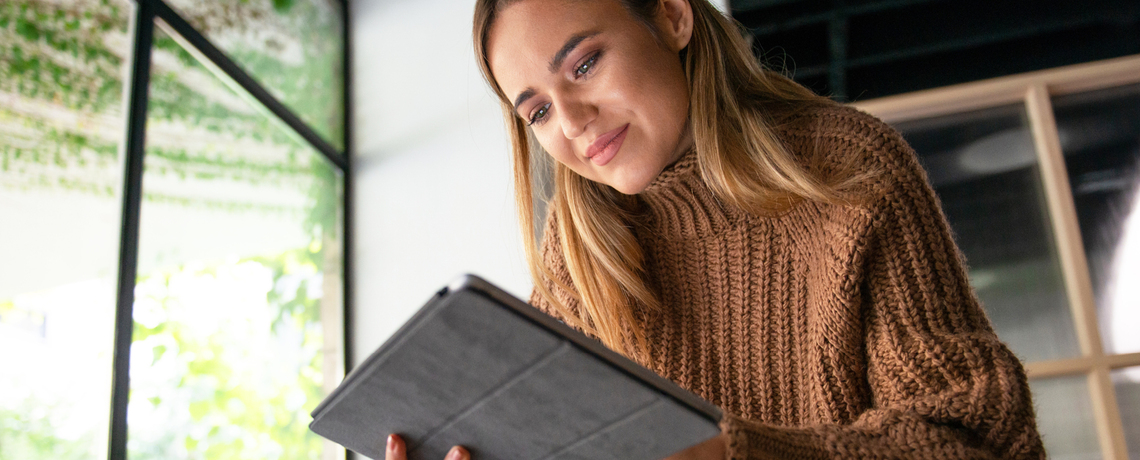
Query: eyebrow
{"points": [[556, 61], [529, 93], [572, 43]]}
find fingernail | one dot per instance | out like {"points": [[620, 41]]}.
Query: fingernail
{"points": [[391, 442], [455, 454]]}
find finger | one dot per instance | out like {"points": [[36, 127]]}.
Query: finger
{"points": [[458, 453], [395, 449]]}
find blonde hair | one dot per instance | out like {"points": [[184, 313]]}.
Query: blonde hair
{"points": [[733, 103]]}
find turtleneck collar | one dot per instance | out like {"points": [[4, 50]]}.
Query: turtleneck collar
{"points": [[685, 166], [679, 205]]}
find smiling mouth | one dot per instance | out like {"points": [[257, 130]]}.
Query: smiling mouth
{"points": [[603, 149]]}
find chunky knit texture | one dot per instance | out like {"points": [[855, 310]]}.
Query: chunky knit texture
{"points": [[826, 331]]}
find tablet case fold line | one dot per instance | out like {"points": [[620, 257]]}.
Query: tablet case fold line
{"points": [[665, 395], [354, 378], [538, 363], [633, 414], [594, 346]]}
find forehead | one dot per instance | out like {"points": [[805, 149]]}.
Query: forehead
{"points": [[527, 33]]}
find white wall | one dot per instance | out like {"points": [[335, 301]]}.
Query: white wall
{"points": [[433, 194]]}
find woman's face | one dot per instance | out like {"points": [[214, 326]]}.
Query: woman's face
{"points": [[603, 94]]}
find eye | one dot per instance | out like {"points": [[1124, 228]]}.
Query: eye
{"points": [[539, 115], [586, 66]]}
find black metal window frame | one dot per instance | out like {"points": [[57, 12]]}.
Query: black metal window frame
{"points": [[146, 13]]}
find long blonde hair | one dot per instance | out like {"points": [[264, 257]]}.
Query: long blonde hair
{"points": [[733, 103]]}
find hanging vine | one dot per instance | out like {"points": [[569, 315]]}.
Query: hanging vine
{"points": [[62, 68]]}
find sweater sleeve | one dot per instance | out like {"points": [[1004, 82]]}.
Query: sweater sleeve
{"points": [[942, 384]]}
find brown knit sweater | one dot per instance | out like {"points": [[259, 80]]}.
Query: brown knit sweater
{"points": [[827, 331]]}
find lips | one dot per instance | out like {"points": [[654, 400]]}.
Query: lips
{"points": [[603, 149]]}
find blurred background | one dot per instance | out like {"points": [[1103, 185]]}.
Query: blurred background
{"points": [[210, 209]]}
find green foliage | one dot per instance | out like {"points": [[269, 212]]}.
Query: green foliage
{"points": [[63, 65], [60, 55], [231, 410], [26, 434], [324, 215], [283, 6], [165, 43], [309, 81]]}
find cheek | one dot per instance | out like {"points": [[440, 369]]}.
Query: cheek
{"points": [[672, 98], [663, 95], [557, 148]]}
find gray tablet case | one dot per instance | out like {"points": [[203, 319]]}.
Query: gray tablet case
{"points": [[480, 368]]}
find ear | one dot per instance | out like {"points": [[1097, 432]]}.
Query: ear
{"points": [[675, 22]]}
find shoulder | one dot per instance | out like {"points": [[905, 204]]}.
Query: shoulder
{"points": [[840, 131], [842, 143]]}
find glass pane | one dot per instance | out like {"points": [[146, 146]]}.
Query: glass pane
{"points": [[61, 126], [1065, 418], [238, 302], [1100, 135], [1127, 384], [292, 47], [983, 165]]}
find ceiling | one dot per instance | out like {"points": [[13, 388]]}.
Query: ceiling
{"points": [[863, 49]]}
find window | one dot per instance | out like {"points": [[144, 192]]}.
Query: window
{"points": [[174, 185], [1039, 176]]}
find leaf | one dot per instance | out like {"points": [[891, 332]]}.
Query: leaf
{"points": [[157, 351], [199, 409], [283, 6]]}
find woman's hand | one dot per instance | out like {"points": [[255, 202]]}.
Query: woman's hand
{"points": [[713, 449], [398, 451]]}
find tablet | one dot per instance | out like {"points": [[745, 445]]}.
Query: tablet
{"points": [[480, 368]]}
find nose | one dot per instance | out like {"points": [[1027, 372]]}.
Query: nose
{"points": [[577, 114]]}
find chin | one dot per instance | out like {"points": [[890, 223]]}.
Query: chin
{"points": [[628, 190], [631, 185]]}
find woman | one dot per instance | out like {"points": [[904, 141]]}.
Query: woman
{"points": [[775, 253]]}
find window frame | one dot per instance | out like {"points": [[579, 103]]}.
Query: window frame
{"points": [[1034, 90], [146, 15]]}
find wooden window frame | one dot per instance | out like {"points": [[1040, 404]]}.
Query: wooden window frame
{"points": [[1034, 90]]}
